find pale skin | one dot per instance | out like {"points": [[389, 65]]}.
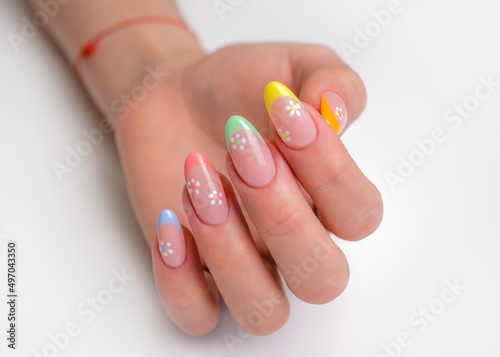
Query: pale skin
{"points": [[279, 227]]}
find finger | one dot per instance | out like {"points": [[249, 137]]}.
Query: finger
{"points": [[311, 70], [189, 299], [251, 292], [314, 268], [350, 205], [328, 84]]}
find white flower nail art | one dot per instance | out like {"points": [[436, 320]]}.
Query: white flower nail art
{"points": [[215, 198], [285, 135], [193, 186], [165, 249], [339, 114], [237, 142], [293, 108]]}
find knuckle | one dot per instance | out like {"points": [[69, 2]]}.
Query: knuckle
{"points": [[289, 219], [354, 84], [196, 328], [330, 287], [316, 51], [225, 257], [370, 216], [181, 301], [365, 219], [268, 325], [330, 174]]}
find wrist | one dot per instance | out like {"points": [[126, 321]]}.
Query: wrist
{"points": [[125, 57], [121, 57]]}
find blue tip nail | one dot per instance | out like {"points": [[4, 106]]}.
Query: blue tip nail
{"points": [[167, 216]]}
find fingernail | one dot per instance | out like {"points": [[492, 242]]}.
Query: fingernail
{"points": [[250, 154], [291, 120], [171, 239], [333, 109], [205, 189]]}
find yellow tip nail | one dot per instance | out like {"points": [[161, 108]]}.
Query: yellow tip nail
{"points": [[329, 115], [276, 90]]}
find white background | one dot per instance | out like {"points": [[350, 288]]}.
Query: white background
{"points": [[441, 223]]}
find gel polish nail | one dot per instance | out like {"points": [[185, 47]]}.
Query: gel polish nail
{"points": [[291, 120], [205, 189], [334, 110], [171, 239], [249, 153]]}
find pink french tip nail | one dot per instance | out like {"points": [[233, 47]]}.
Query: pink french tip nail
{"points": [[205, 189], [171, 241], [291, 120], [249, 152]]}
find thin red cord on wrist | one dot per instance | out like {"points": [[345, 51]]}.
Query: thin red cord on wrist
{"points": [[90, 47]]}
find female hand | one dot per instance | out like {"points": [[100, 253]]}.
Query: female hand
{"points": [[275, 227]]}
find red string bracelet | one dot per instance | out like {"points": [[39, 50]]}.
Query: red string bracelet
{"points": [[90, 46]]}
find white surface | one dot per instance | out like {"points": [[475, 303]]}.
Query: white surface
{"points": [[440, 224]]}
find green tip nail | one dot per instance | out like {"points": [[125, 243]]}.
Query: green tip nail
{"points": [[236, 123]]}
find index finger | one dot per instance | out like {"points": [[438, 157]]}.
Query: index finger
{"points": [[350, 205]]}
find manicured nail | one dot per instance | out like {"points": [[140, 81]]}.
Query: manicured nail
{"points": [[333, 109], [205, 189], [171, 239], [291, 120], [250, 154]]}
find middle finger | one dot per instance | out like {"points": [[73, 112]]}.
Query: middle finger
{"points": [[314, 268]]}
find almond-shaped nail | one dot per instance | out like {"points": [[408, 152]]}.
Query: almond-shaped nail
{"points": [[291, 120], [334, 110], [205, 189], [250, 155], [171, 239]]}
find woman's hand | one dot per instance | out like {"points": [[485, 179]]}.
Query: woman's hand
{"points": [[167, 99], [290, 184]]}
